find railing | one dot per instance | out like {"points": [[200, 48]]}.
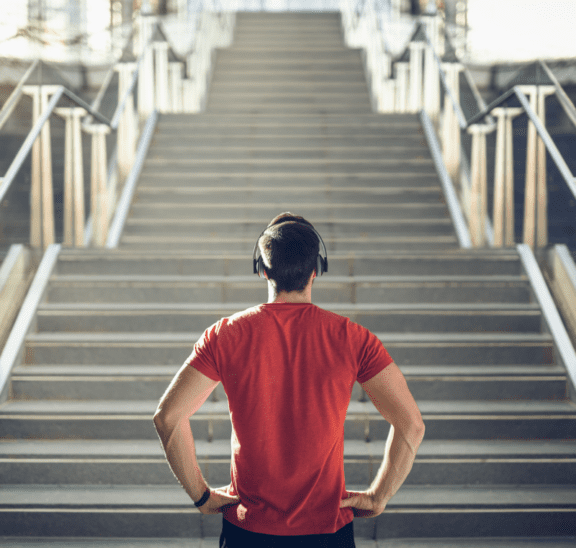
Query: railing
{"points": [[150, 82], [428, 78]]}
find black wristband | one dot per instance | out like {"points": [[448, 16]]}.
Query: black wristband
{"points": [[204, 498]]}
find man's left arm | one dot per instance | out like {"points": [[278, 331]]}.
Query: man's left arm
{"points": [[187, 392]]}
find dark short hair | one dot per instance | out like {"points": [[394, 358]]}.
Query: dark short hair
{"points": [[289, 249]]}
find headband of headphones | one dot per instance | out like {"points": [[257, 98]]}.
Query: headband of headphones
{"points": [[321, 260]]}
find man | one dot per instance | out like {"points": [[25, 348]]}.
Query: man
{"points": [[288, 368]]}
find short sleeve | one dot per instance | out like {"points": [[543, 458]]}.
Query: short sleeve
{"points": [[372, 356], [203, 357]]}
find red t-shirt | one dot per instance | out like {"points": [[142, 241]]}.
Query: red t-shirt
{"points": [[288, 372]]}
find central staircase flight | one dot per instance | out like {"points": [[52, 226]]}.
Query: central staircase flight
{"points": [[288, 126]]}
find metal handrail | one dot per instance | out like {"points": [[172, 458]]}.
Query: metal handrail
{"points": [[16, 94], [103, 88], [455, 104], [547, 140], [541, 130], [122, 105], [565, 101], [486, 111], [29, 141], [35, 131], [172, 94]]}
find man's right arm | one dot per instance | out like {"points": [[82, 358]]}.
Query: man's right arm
{"points": [[390, 394]]}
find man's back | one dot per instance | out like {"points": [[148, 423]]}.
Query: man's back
{"points": [[288, 370]]}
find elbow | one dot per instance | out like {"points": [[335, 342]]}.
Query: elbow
{"points": [[161, 421], [419, 429]]}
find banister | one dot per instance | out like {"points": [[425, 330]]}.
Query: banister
{"points": [[548, 142], [122, 105], [83, 104], [485, 112], [10, 103], [457, 108], [29, 141], [565, 101], [99, 96]]}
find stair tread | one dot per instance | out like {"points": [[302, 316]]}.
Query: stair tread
{"points": [[232, 308], [88, 278], [151, 449], [361, 542], [159, 496], [145, 408], [49, 371], [155, 337]]}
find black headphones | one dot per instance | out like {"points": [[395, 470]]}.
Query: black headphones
{"points": [[321, 261]]}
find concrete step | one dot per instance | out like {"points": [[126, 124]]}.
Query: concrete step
{"points": [[406, 348], [224, 228], [211, 542], [333, 63], [289, 76], [165, 153], [325, 89], [235, 55], [187, 244], [200, 141], [294, 165], [390, 122], [308, 40], [293, 195], [287, 108], [502, 268], [388, 181], [156, 511], [241, 128], [232, 100], [429, 382], [336, 292], [81, 317], [125, 419], [265, 212], [142, 462]]}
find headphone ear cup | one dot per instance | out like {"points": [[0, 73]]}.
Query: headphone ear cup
{"points": [[319, 266], [260, 267]]}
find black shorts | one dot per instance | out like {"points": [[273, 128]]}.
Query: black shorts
{"points": [[236, 537]]}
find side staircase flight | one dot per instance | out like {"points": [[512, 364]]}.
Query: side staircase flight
{"points": [[289, 127]]}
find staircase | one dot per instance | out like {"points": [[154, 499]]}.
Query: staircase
{"points": [[288, 126]]}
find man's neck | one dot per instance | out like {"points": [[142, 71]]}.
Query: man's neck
{"points": [[304, 296], [290, 296]]}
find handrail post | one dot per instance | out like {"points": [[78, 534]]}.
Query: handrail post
{"points": [[388, 99], [535, 232], [416, 57], [503, 213], [176, 87], [542, 186], [451, 127], [402, 87], [146, 90], [36, 175], [42, 231], [478, 195], [161, 76], [73, 177], [431, 85], [126, 128], [146, 77], [99, 206], [79, 208], [48, 237]]}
